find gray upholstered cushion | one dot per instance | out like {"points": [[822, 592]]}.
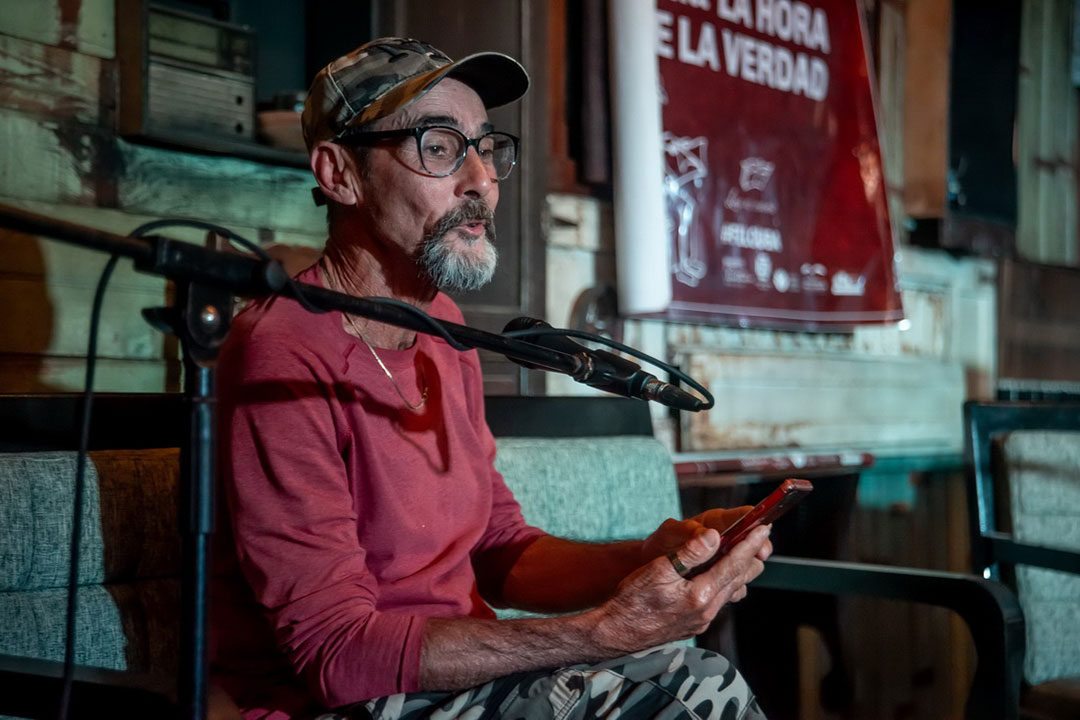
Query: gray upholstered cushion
{"points": [[1044, 500], [585, 488], [34, 626], [597, 489], [35, 522], [128, 603], [594, 489], [129, 517]]}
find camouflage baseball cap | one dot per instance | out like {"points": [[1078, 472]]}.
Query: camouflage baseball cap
{"points": [[387, 74]]}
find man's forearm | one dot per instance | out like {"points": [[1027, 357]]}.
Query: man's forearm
{"points": [[463, 652], [557, 576], [651, 605]]}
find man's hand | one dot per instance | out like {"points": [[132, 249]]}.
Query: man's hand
{"points": [[655, 604], [672, 534], [641, 605]]}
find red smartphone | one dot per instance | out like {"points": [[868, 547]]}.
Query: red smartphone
{"points": [[778, 502]]}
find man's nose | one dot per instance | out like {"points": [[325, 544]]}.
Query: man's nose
{"points": [[474, 177]]}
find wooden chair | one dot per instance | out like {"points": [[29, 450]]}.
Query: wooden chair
{"points": [[1023, 462]]}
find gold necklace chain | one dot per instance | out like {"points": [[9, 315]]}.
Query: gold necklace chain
{"points": [[352, 324]]}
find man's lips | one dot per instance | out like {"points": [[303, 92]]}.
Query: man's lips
{"points": [[473, 229]]}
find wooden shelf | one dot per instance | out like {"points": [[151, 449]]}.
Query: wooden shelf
{"points": [[221, 146]]}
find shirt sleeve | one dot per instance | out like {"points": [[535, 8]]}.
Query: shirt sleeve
{"points": [[294, 528]]}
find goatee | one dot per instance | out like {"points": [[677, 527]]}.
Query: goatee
{"points": [[450, 269]]}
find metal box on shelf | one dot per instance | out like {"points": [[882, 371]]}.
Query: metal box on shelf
{"points": [[183, 76]]}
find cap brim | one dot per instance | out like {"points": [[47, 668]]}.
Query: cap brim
{"points": [[498, 79]]}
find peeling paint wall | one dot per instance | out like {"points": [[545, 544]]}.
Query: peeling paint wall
{"points": [[60, 156]]}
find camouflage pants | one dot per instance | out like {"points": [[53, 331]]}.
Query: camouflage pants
{"points": [[670, 682]]}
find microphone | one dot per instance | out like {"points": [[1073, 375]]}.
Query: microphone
{"points": [[604, 370]]}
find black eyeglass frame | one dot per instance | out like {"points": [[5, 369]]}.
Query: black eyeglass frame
{"points": [[417, 133]]}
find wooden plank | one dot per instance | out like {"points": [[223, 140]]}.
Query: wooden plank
{"points": [[1039, 313], [891, 80], [55, 82], [74, 164], [54, 319], [43, 159], [159, 182], [83, 25], [22, 373], [49, 288], [29, 258], [925, 105], [1047, 122], [120, 222], [777, 401]]}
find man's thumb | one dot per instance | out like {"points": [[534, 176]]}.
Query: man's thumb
{"points": [[699, 549]]}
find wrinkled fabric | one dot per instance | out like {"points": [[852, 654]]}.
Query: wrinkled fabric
{"points": [[670, 682]]}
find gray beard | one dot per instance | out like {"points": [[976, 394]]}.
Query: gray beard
{"points": [[450, 271]]}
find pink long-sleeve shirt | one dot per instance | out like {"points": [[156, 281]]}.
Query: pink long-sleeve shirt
{"points": [[351, 518]]}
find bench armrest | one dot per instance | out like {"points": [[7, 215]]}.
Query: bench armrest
{"points": [[31, 688], [1013, 552], [991, 611]]}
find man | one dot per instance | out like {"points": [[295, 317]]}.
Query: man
{"points": [[365, 514]]}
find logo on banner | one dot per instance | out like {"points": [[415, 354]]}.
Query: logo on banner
{"points": [[763, 267], [754, 173], [781, 280], [846, 284], [813, 277], [685, 171], [754, 176]]}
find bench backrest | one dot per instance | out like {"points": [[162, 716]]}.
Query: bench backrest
{"points": [[130, 549], [586, 468], [128, 563]]}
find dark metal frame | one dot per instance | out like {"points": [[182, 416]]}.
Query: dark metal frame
{"points": [[989, 609], [983, 423]]}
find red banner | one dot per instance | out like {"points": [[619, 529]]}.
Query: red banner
{"points": [[777, 213]]}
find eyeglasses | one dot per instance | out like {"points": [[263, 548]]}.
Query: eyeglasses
{"points": [[441, 150]]}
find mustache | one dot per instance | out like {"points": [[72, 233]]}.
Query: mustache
{"points": [[474, 210]]}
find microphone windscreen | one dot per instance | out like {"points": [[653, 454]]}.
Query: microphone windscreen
{"points": [[523, 323]]}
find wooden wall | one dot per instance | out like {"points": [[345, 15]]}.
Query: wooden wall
{"points": [[59, 156], [1046, 135]]}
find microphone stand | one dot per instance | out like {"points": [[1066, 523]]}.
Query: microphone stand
{"points": [[207, 281]]}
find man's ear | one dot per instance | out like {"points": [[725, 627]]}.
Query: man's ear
{"points": [[332, 165]]}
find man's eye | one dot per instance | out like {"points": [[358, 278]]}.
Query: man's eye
{"points": [[436, 150]]}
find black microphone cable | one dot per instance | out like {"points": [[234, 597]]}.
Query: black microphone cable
{"points": [[88, 397], [80, 484], [72, 603], [645, 357]]}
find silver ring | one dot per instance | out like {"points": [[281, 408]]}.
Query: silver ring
{"points": [[677, 564]]}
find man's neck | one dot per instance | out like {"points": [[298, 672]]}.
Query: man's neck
{"points": [[357, 268]]}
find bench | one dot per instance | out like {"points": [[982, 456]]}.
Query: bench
{"points": [[584, 467]]}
